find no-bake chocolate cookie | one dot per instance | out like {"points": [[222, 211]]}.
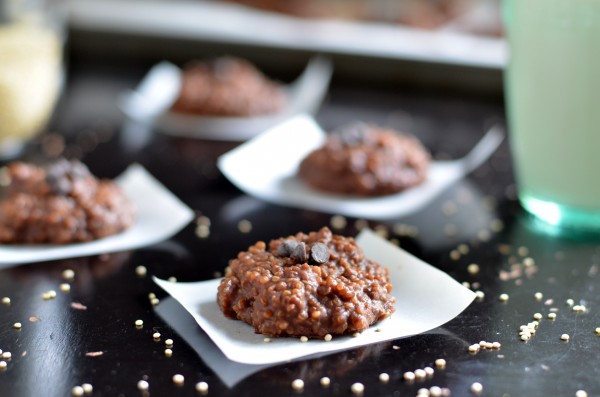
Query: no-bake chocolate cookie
{"points": [[58, 204], [228, 87], [306, 285], [366, 160]]}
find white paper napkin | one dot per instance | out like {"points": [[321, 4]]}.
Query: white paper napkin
{"points": [[426, 298], [276, 154], [159, 215], [151, 100]]}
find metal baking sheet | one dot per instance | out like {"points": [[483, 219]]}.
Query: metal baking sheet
{"points": [[232, 23]]}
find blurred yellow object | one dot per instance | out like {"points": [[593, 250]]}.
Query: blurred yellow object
{"points": [[30, 74]]}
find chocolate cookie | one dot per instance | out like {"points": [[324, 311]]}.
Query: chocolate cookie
{"points": [[227, 87], [306, 285], [366, 160], [61, 203]]}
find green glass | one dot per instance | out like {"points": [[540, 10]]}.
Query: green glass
{"points": [[552, 85]]}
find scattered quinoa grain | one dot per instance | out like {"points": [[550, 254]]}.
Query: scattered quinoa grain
{"points": [[17, 325], [357, 388], [473, 269], [178, 379], [496, 345], [68, 274], [579, 308], [6, 300], [537, 316], [597, 330], [202, 387], [338, 222], [3, 365], [143, 385], [408, 376], [87, 388], [503, 297], [420, 374], [267, 340], [435, 391], [245, 226], [328, 338], [538, 296], [169, 342], [168, 352], [156, 335], [564, 337], [151, 295], [298, 384], [139, 323], [440, 363], [172, 279], [64, 287], [325, 381], [551, 316], [429, 371], [303, 339], [454, 255], [476, 388], [78, 306], [141, 271], [154, 301], [581, 393], [384, 377], [570, 302], [7, 355], [203, 231], [525, 338], [77, 391], [474, 348], [423, 392], [479, 295], [484, 235]]}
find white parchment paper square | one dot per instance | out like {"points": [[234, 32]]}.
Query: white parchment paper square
{"points": [[426, 299], [275, 156], [151, 100], [159, 215]]}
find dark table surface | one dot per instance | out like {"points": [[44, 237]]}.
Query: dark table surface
{"points": [[477, 221]]}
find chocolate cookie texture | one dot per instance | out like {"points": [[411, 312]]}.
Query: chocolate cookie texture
{"points": [[61, 203], [306, 285], [366, 160], [228, 87]]}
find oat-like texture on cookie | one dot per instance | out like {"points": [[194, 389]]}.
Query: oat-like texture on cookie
{"points": [[60, 203], [306, 285], [366, 160], [228, 86]]}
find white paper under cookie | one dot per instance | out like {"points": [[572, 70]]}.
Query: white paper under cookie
{"points": [[159, 215], [426, 299], [276, 154], [151, 100]]}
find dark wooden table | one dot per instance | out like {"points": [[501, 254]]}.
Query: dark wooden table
{"points": [[477, 221]]}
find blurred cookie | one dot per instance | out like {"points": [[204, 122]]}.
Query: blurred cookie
{"points": [[61, 203], [228, 87], [366, 160]]}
